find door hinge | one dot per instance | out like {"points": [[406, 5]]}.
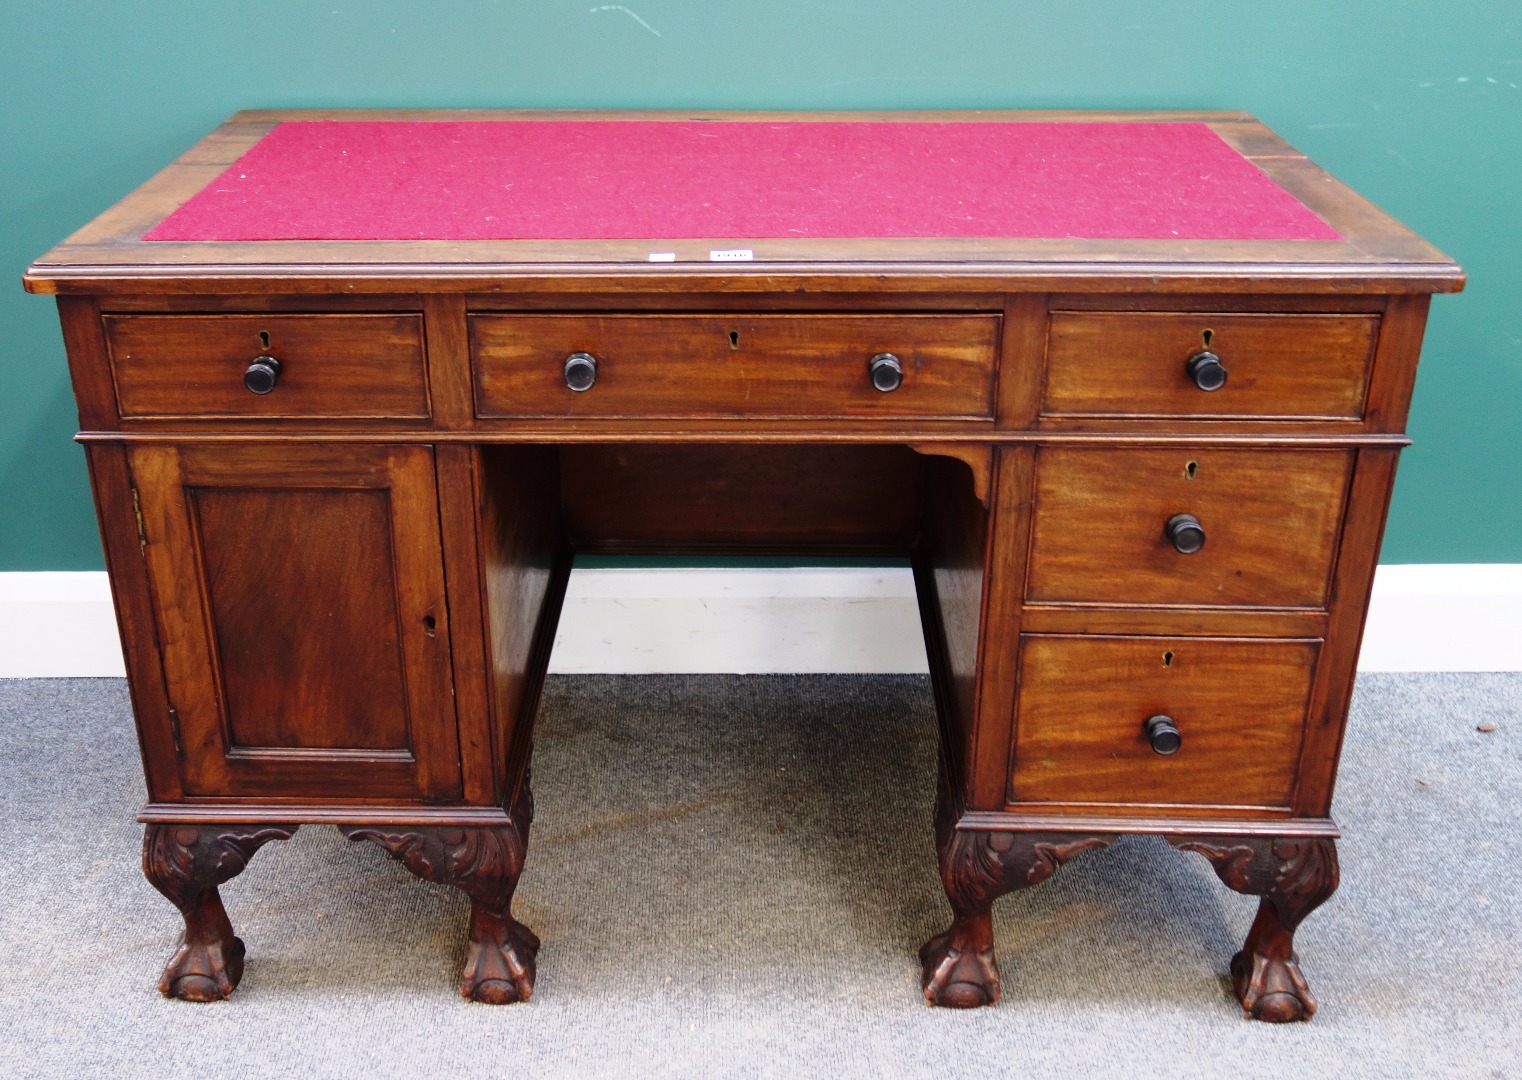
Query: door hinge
{"points": [[137, 512], [174, 730]]}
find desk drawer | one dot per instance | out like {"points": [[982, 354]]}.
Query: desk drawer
{"points": [[734, 365], [1269, 520], [1238, 705], [1136, 364], [330, 366]]}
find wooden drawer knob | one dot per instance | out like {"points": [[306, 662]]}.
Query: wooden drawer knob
{"points": [[262, 374], [1163, 734], [580, 371], [1185, 533], [1207, 371], [886, 372]]}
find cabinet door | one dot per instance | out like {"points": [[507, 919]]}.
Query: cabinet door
{"points": [[300, 602]]}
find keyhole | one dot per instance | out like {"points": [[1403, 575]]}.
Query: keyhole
{"points": [[734, 339], [429, 625], [1168, 659], [264, 340], [1190, 469], [1207, 335]]}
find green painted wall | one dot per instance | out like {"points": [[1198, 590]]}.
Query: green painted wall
{"points": [[1416, 104]]}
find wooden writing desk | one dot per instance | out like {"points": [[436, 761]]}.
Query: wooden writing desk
{"points": [[1128, 388]]}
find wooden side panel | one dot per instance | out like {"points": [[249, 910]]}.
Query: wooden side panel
{"points": [[524, 562], [734, 365], [301, 611], [1134, 364], [711, 497], [1240, 706], [459, 525], [1005, 558], [133, 597], [89, 363], [350, 366], [1400, 345], [949, 576], [1271, 519], [1368, 506]]}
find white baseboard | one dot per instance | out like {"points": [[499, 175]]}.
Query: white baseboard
{"points": [[55, 624], [803, 619], [1441, 617], [1445, 617]]}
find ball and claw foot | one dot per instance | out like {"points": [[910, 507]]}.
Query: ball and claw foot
{"points": [[203, 970], [484, 862], [499, 969], [958, 978], [959, 970], [186, 863], [1293, 876], [1274, 991]]}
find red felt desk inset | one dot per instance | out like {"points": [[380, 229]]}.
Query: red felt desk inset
{"points": [[659, 179]]}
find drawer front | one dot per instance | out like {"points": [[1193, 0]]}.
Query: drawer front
{"points": [[1136, 364], [331, 366], [1270, 520], [733, 366], [1239, 707]]}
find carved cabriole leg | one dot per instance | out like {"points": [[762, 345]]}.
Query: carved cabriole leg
{"points": [[1293, 877], [485, 863], [186, 863], [959, 969]]}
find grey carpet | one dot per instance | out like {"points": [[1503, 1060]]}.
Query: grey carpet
{"points": [[731, 876]]}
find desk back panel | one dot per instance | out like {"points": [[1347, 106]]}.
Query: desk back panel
{"points": [[831, 498]]}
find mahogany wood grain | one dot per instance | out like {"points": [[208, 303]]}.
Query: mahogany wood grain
{"points": [[753, 433], [338, 602], [1021, 359], [949, 572], [654, 366], [116, 507], [718, 497], [1240, 706], [337, 685], [459, 530], [979, 459], [524, 564], [449, 388], [89, 366], [332, 366], [1006, 556], [319, 664], [1373, 484], [1173, 619], [1226, 302], [1271, 520], [1133, 364], [1394, 377]]}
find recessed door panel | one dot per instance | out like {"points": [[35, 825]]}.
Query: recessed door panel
{"points": [[304, 663]]}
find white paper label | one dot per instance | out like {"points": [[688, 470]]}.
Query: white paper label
{"points": [[731, 255], [663, 256]]}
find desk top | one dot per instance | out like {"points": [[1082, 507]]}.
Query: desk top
{"points": [[466, 201]]}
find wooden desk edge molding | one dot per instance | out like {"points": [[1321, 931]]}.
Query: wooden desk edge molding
{"points": [[1138, 441]]}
